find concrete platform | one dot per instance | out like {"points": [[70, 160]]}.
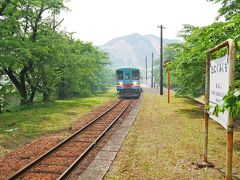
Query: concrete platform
{"points": [[102, 162]]}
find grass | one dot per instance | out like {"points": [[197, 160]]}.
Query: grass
{"points": [[167, 139], [26, 123]]}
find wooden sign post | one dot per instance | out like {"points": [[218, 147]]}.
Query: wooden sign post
{"points": [[219, 77]]}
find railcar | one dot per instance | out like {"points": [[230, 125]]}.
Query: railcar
{"points": [[128, 82]]}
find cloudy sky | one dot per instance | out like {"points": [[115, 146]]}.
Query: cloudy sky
{"points": [[99, 21]]}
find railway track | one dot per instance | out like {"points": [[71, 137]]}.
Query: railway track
{"points": [[60, 161]]}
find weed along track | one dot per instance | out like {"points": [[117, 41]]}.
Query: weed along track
{"points": [[62, 160]]}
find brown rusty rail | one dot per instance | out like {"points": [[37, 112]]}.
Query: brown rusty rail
{"points": [[74, 165]]}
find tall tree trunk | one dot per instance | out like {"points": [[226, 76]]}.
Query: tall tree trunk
{"points": [[46, 92], [46, 97], [23, 85], [20, 85]]}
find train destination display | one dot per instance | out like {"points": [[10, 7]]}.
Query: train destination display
{"points": [[219, 86]]}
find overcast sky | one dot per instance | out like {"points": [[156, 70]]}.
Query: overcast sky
{"points": [[99, 21]]}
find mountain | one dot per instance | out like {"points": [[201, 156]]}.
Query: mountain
{"points": [[131, 50]]}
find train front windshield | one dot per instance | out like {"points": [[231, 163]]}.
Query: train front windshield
{"points": [[135, 75], [119, 75]]}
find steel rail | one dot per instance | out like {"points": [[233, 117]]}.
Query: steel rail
{"points": [[29, 166], [69, 171]]}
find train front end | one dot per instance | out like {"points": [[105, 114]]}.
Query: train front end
{"points": [[128, 82]]}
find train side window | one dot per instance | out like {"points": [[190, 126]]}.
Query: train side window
{"points": [[119, 75], [135, 74], [127, 76]]}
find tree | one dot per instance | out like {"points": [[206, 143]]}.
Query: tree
{"points": [[19, 34], [229, 8], [3, 6], [37, 58], [189, 68], [171, 52], [82, 75]]}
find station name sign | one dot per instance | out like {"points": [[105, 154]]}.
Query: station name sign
{"points": [[219, 86], [219, 78]]}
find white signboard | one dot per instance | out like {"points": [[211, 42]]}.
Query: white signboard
{"points": [[219, 86]]}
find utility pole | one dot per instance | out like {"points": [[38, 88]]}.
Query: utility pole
{"points": [[161, 59], [152, 72], [146, 66]]}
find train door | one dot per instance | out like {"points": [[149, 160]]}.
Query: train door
{"points": [[127, 78]]}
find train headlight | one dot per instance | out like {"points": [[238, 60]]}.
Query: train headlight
{"points": [[135, 83], [120, 83]]}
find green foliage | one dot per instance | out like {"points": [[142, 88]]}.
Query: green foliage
{"points": [[170, 53], [189, 67], [82, 72], [24, 25], [229, 8], [3, 93], [40, 59], [6, 89], [231, 102]]}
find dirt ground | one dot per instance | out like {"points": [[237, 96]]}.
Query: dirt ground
{"points": [[166, 141]]}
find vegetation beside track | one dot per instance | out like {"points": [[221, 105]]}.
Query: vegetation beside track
{"points": [[188, 59], [39, 59], [24, 123], [167, 139]]}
